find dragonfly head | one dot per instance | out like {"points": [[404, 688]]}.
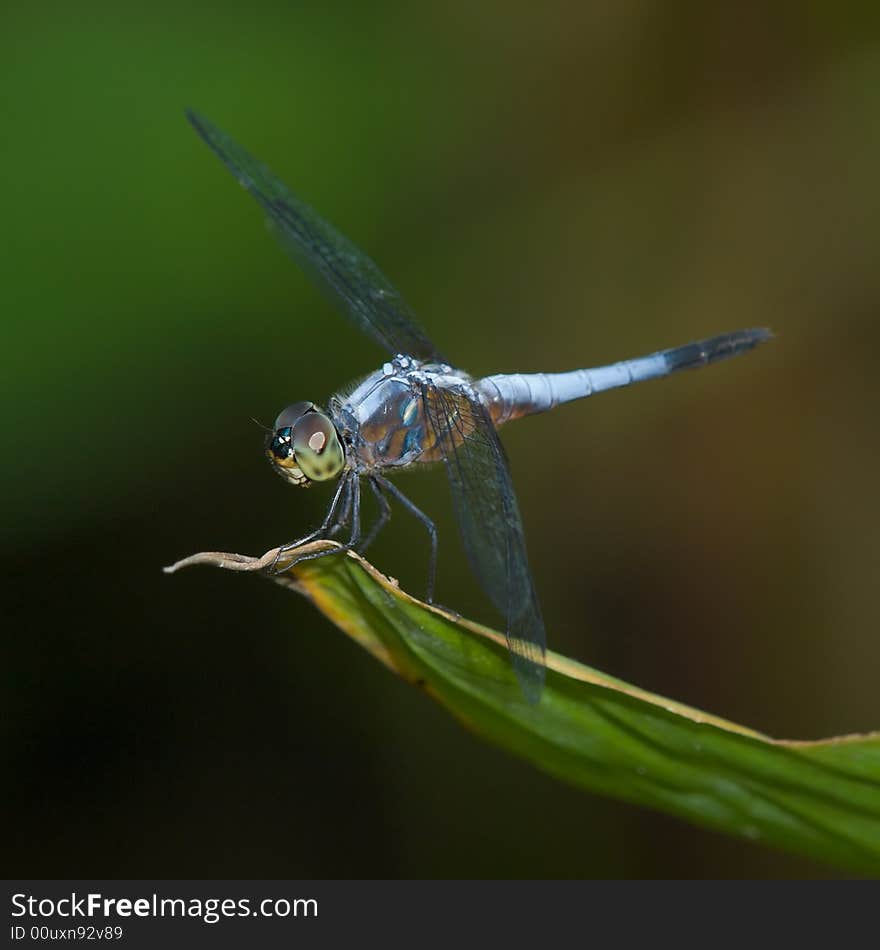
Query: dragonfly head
{"points": [[305, 445]]}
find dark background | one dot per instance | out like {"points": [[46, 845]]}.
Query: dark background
{"points": [[551, 187]]}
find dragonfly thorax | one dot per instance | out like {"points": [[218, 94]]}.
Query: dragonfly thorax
{"points": [[305, 446]]}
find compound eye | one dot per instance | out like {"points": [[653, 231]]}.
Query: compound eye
{"points": [[292, 413], [317, 447]]}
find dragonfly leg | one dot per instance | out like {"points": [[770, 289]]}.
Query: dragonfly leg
{"points": [[430, 527], [355, 484], [325, 529], [381, 521], [342, 519]]}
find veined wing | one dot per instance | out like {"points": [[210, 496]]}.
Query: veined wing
{"points": [[345, 274], [490, 523]]}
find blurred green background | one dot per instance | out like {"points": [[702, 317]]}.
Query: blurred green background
{"points": [[550, 186]]}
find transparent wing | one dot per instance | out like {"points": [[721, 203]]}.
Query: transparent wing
{"points": [[490, 524], [345, 274]]}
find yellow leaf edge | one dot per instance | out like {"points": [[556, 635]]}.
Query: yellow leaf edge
{"points": [[303, 578]]}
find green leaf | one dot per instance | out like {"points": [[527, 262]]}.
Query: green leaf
{"points": [[819, 798]]}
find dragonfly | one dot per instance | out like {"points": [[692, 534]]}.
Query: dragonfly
{"points": [[418, 409]]}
